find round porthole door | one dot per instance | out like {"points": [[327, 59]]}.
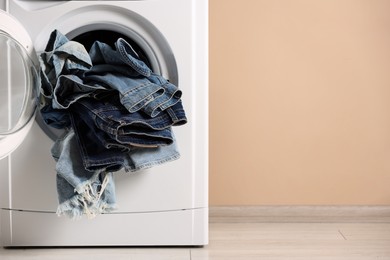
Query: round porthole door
{"points": [[19, 84]]}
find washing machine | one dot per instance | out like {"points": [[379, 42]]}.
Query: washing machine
{"points": [[166, 205]]}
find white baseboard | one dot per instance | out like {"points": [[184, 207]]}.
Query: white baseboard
{"points": [[252, 214]]}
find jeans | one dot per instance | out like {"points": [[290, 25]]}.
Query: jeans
{"points": [[104, 154], [136, 129], [63, 65], [68, 75], [138, 86], [80, 191], [119, 114]]}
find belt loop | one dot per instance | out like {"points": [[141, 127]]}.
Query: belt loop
{"points": [[172, 114]]}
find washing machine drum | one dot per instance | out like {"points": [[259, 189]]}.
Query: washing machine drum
{"points": [[18, 86]]}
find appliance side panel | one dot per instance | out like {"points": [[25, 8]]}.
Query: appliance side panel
{"points": [[201, 99], [200, 229]]}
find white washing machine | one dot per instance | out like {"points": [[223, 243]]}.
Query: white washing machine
{"points": [[164, 205]]}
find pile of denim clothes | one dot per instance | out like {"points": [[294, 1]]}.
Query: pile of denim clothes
{"points": [[117, 114]]}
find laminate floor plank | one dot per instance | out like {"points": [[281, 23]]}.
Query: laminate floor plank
{"points": [[294, 249], [304, 241], [366, 231], [272, 231]]}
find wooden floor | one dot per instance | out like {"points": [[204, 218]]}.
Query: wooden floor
{"points": [[249, 241]]}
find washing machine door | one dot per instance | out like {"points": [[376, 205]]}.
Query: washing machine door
{"points": [[19, 79]]}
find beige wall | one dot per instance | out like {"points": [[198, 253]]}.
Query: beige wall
{"points": [[299, 102]]}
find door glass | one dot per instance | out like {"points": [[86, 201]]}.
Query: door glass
{"points": [[18, 86]]}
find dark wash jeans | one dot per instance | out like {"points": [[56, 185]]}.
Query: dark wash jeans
{"points": [[111, 156], [136, 129]]}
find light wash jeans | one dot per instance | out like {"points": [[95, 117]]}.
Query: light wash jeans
{"points": [[80, 191]]}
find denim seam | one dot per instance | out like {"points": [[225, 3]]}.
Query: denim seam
{"points": [[140, 143], [143, 71], [134, 107], [157, 121], [132, 168], [136, 89], [172, 115]]}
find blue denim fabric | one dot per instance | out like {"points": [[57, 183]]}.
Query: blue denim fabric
{"points": [[160, 103], [136, 129], [97, 157], [54, 117], [102, 53], [139, 87], [61, 58], [121, 115], [63, 65], [80, 191]]}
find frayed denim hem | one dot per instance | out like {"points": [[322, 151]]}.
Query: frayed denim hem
{"points": [[75, 208], [88, 200]]}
